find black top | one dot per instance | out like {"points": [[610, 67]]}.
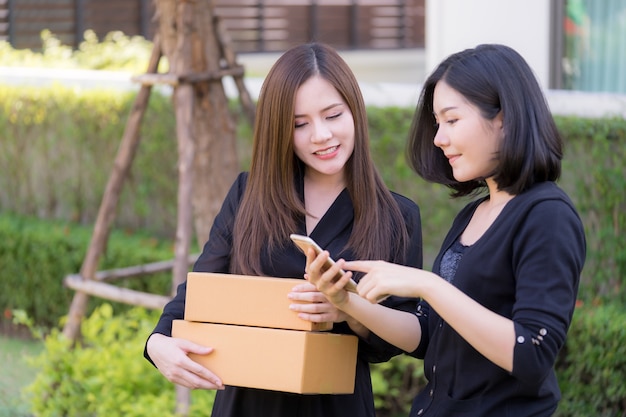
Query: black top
{"points": [[331, 233], [525, 267]]}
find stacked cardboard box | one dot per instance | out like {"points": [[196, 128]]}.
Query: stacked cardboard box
{"points": [[258, 341]]}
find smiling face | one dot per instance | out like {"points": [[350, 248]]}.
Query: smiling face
{"points": [[468, 140], [324, 129]]}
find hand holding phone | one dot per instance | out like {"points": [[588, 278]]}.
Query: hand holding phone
{"points": [[305, 242]]}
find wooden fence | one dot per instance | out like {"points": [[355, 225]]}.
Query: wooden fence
{"points": [[252, 25]]}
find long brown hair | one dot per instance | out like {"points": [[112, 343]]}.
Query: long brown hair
{"points": [[271, 207]]}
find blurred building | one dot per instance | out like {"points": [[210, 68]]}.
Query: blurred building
{"points": [[571, 44], [253, 25]]}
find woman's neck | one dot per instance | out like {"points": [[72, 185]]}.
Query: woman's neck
{"points": [[319, 195], [497, 197]]}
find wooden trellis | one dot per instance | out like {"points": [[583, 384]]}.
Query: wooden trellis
{"points": [[199, 55]]}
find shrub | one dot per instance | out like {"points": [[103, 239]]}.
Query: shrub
{"points": [[105, 375], [116, 52], [59, 146], [395, 383], [54, 167], [36, 255], [595, 176], [592, 366]]}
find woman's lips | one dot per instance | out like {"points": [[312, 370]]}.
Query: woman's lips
{"points": [[327, 151]]}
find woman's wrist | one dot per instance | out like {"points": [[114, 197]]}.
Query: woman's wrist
{"points": [[357, 327]]}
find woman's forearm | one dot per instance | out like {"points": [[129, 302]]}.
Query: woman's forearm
{"points": [[397, 327]]}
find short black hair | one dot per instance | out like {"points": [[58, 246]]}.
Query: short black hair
{"points": [[494, 78]]}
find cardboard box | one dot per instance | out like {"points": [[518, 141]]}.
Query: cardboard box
{"points": [[275, 359], [244, 300]]}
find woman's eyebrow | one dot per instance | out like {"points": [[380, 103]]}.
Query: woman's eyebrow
{"points": [[445, 109], [323, 110]]}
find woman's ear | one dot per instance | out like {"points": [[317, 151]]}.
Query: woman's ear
{"points": [[499, 120]]}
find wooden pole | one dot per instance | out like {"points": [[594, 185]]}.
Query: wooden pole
{"points": [[184, 108], [137, 270], [106, 213], [114, 293], [230, 57], [195, 45], [184, 101]]}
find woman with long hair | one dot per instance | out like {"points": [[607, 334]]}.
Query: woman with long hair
{"points": [[312, 174]]}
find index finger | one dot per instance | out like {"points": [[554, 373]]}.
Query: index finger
{"points": [[305, 287], [361, 266], [206, 374]]}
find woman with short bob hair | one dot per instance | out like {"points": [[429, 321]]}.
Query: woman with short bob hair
{"points": [[496, 308], [495, 79]]}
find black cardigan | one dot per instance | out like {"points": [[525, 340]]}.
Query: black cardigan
{"points": [[525, 267], [331, 233]]}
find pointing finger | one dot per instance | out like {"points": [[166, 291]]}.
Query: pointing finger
{"points": [[361, 266]]}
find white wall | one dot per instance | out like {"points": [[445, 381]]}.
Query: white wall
{"points": [[454, 25]]}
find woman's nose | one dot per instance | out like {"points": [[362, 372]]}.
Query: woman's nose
{"points": [[321, 132], [440, 139]]}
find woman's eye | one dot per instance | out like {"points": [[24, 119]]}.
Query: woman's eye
{"points": [[299, 124], [452, 121], [334, 116]]}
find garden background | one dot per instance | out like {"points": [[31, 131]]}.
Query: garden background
{"points": [[56, 152]]}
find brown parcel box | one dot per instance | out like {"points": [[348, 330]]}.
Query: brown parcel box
{"points": [[275, 359], [244, 300]]}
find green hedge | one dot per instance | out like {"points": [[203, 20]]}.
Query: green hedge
{"points": [[592, 366], [36, 255], [57, 151], [59, 145], [104, 375], [594, 174], [115, 52]]}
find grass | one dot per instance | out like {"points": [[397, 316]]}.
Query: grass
{"points": [[16, 374]]}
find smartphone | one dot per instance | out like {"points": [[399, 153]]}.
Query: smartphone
{"points": [[305, 242]]}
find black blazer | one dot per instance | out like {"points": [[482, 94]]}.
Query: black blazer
{"points": [[525, 267], [332, 233]]}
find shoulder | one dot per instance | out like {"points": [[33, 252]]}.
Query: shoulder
{"points": [[547, 190], [242, 179], [239, 185], [546, 207], [544, 224], [235, 193], [542, 196], [410, 211], [406, 204]]}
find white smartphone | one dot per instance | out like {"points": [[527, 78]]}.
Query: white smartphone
{"points": [[305, 242]]}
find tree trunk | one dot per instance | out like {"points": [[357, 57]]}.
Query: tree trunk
{"points": [[215, 163], [205, 131]]}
